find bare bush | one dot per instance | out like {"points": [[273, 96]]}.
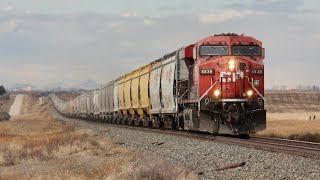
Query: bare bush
{"points": [[9, 156], [157, 168], [4, 116], [42, 149]]}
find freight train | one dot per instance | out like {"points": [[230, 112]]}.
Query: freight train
{"points": [[215, 85]]}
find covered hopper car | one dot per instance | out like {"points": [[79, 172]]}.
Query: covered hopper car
{"points": [[215, 85]]}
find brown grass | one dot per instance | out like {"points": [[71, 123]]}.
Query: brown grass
{"points": [[37, 146], [40, 148], [293, 115], [293, 129], [306, 137]]}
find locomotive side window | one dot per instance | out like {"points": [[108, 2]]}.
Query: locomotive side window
{"points": [[212, 50], [246, 50]]}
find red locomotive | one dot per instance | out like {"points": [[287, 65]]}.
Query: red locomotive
{"points": [[226, 85]]}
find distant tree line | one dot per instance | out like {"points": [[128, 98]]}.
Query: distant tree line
{"points": [[298, 87], [308, 87]]}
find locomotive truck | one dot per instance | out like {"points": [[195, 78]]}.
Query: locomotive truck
{"points": [[215, 85]]}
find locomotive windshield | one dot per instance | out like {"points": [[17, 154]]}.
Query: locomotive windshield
{"points": [[213, 50], [246, 50]]}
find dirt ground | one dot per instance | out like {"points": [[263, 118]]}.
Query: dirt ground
{"points": [[34, 145], [293, 115]]}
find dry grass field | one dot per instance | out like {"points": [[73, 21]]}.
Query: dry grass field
{"points": [[36, 146], [293, 115]]}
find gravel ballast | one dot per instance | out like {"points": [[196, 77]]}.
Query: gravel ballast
{"points": [[204, 157]]}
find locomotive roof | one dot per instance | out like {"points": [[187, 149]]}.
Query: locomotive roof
{"points": [[229, 38]]}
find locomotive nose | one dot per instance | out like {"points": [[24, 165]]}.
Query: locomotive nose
{"points": [[232, 79]]}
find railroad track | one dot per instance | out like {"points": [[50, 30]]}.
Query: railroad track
{"points": [[301, 148]]}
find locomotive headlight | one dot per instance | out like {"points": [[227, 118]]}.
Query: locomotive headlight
{"points": [[232, 64], [216, 93], [250, 93]]}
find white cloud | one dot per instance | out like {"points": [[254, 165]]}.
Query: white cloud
{"points": [[126, 44], [8, 26], [148, 22], [128, 14], [27, 12], [316, 35], [222, 16], [115, 24], [8, 8]]}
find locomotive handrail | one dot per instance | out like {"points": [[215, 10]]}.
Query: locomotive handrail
{"points": [[183, 94]]}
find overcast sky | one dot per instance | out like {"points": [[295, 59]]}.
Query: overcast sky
{"points": [[67, 41]]}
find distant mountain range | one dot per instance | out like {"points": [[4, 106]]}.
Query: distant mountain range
{"points": [[58, 86]]}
